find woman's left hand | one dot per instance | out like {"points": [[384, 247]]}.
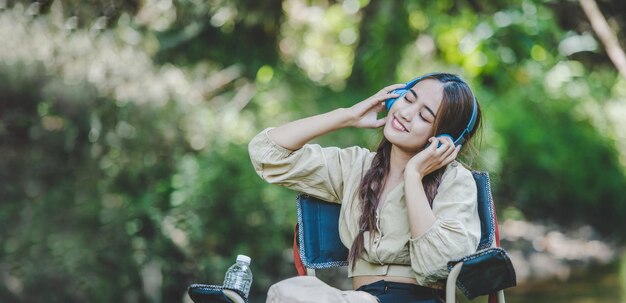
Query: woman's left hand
{"points": [[432, 157]]}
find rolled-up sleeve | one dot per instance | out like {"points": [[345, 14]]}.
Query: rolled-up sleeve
{"points": [[311, 169], [456, 231]]}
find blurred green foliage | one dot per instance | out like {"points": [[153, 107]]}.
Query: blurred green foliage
{"points": [[123, 126]]}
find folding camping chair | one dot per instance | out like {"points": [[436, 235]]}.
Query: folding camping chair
{"points": [[317, 246], [486, 272]]}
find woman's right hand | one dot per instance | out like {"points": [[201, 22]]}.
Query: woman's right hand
{"points": [[365, 113]]}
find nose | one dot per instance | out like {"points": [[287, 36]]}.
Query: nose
{"points": [[407, 112]]}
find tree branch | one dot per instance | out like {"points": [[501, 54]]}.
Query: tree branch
{"points": [[606, 35]]}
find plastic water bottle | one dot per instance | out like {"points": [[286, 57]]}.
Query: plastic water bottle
{"points": [[239, 276]]}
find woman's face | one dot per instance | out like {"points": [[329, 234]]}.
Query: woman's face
{"points": [[411, 118]]}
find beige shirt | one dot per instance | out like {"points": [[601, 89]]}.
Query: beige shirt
{"points": [[334, 175]]}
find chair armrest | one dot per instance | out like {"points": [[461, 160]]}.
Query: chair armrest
{"points": [[487, 271], [203, 293]]}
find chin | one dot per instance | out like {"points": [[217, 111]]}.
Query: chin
{"points": [[409, 149], [402, 141]]}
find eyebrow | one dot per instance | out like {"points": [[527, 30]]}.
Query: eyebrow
{"points": [[427, 108]]}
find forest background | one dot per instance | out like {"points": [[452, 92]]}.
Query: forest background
{"points": [[125, 175]]}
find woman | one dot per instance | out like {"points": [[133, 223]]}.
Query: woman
{"points": [[407, 209]]}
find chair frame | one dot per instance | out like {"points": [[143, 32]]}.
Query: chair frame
{"points": [[489, 238]]}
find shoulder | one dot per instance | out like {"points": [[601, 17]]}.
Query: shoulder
{"points": [[457, 175], [456, 170], [457, 192]]}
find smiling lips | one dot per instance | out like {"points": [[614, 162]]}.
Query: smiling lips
{"points": [[397, 125]]}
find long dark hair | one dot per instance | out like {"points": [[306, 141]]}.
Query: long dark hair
{"points": [[452, 117]]}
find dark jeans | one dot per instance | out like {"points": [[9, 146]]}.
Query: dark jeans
{"points": [[395, 292]]}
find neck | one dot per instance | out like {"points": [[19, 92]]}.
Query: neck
{"points": [[397, 161]]}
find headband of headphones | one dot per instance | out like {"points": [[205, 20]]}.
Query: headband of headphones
{"points": [[470, 125]]}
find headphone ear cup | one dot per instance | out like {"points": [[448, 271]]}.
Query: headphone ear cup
{"points": [[390, 102], [401, 92]]}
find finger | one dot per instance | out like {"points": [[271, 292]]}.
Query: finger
{"points": [[446, 140], [388, 96], [454, 153], [452, 156], [391, 87], [443, 146], [380, 122], [449, 151], [380, 98], [371, 103], [434, 142], [450, 144], [381, 107], [383, 98]]}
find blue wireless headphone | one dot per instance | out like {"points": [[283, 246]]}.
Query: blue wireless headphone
{"points": [[470, 125]]}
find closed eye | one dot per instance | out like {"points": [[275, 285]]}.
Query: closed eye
{"points": [[406, 96], [422, 117]]}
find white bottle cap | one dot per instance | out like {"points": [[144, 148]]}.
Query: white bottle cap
{"points": [[244, 258]]}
